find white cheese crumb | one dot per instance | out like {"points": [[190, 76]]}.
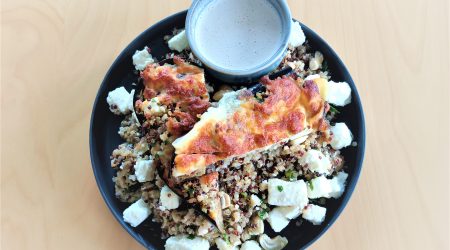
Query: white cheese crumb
{"points": [[250, 245], [315, 214], [285, 193], [179, 42], [223, 245], [319, 187], [338, 184], [182, 242], [316, 161], [297, 36], [255, 201], [312, 77], [204, 227], [277, 220], [290, 212], [168, 198], [342, 137], [339, 93], [120, 101], [276, 243], [142, 170], [142, 58], [136, 213]]}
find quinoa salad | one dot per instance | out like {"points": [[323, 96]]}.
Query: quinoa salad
{"points": [[216, 165]]}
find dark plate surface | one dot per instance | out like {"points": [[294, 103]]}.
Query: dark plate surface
{"points": [[104, 138]]}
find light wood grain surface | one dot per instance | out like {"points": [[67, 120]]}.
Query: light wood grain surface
{"points": [[55, 53]]}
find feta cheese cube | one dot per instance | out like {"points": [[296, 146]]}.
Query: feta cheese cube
{"points": [[275, 243], [142, 170], [223, 245], [255, 201], [168, 198], [290, 212], [297, 36], [319, 187], [277, 220], [339, 93], [182, 242], [338, 184], [250, 245], [286, 193], [342, 137], [205, 227], [315, 214], [316, 161], [136, 213], [120, 101], [179, 42], [142, 58]]}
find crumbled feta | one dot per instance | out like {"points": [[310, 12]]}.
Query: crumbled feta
{"points": [[182, 242], [155, 107], [120, 101], [315, 214], [223, 245], [319, 187], [285, 193], [204, 227], [290, 212], [275, 243], [250, 245], [339, 93], [255, 200], [342, 137], [316, 161], [142, 170], [136, 213], [168, 198], [312, 77], [142, 58], [338, 184], [263, 185], [297, 36], [277, 220], [179, 42]]}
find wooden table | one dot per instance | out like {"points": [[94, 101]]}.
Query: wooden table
{"points": [[54, 55]]}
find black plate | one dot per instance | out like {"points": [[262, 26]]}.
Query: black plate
{"points": [[104, 139]]}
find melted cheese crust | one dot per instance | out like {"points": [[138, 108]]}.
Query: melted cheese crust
{"points": [[291, 107]]}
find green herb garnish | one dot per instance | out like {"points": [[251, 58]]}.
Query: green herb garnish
{"points": [[280, 188], [244, 194], [262, 213], [290, 174], [334, 110], [310, 184], [191, 236], [226, 238]]}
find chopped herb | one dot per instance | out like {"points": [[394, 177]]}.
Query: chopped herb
{"points": [[226, 238], [191, 236], [290, 174], [280, 188], [244, 194], [262, 213], [334, 110], [311, 186], [156, 156]]}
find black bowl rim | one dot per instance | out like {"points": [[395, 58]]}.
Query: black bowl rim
{"points": [[350, 186]]}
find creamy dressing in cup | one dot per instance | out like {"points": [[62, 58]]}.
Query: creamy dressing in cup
{"points": [[239, 40]]}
